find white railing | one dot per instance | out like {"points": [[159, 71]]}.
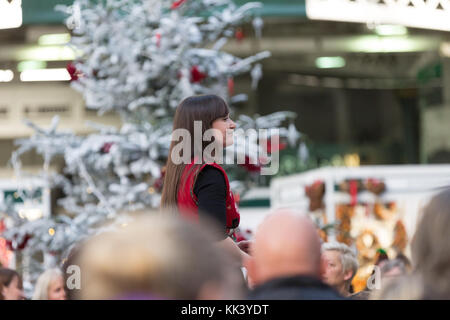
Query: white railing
{"points": [[410, 186], [427, 14]]}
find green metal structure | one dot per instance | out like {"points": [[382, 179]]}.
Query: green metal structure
{"points": [[43, 12]]}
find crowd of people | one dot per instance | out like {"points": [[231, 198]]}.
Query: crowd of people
{"points": [[164, 256], [187, 251]]}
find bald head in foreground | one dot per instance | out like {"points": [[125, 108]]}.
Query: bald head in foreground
{"points": [[285, 261]]}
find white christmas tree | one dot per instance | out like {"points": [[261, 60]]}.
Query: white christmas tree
{"points": [[139, 59]]}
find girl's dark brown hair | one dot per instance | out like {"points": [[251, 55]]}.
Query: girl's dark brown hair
{"points": [[6, 276], [204, 108]]}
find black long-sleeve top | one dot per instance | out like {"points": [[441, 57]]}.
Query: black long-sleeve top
{"points": [[211, 191]]}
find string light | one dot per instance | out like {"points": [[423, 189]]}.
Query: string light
{"points": [[10, 14], [6, 75], [352, 160], [51, 232]]}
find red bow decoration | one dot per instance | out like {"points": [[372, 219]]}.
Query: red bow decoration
{"points": [[197, 75], [251, 167], [106, 147], [353, 192], [159, 183], [158, 39], [176, 4], [230, 86], [276, 146], [239, 35], [73, 72], [2, 226], [18, 246]]}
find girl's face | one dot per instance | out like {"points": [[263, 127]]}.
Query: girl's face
{"points": [[56, 289], [14, 290], [225, 127]]}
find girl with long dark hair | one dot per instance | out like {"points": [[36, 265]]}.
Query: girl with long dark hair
{"points": [[198, 186]]}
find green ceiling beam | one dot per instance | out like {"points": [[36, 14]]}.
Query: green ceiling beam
{"points": [[43, 11]]}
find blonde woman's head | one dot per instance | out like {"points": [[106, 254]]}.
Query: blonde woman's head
{"points": [[340, 262], [50, 286]]}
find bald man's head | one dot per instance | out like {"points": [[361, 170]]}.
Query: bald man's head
{"points": [[286, 244]]}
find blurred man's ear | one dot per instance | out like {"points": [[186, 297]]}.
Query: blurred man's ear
{"points": [[348, 275], [323, 266]]}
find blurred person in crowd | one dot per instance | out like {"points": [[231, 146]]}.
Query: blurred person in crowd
{"points": [[285, 260], [430, 247], [389, 270], [402, 287], [69, 268], [11, 287], [196, 185], [158, 257], [406, 262], [339, 266], [392, 269], [50, 286]]}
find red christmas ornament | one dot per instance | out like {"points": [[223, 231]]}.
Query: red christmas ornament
{"points": [[276, 147], [20, 246], [251, 167], [197, 75], [240, 237], [9, 244], [177, 4], [158, 39], [237, 198], [2, 226], [230, 86], [239, 35], [243, 235], [159, 183], [106, 147], [73, 72]]}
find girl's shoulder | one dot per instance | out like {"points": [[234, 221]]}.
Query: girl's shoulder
{"points": [[212, 170], [210, 176]]}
